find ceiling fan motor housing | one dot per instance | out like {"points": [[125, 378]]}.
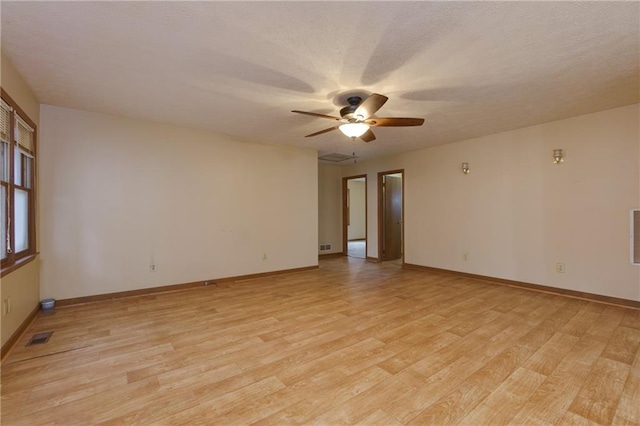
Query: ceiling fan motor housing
{"points": [[354, 102]]}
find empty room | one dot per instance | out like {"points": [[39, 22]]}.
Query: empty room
{"points": [[373, 213]]}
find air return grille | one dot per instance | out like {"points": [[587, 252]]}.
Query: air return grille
{"points": [[40, 338], [336, 158]]}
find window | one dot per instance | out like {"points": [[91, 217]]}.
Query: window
{"points": [[17, 184]]}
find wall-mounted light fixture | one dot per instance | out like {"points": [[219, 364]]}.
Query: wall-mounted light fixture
{"points": [[465, 168], [558, 156]]}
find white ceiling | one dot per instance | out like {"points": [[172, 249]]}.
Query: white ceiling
{"points": [[238, 68]]}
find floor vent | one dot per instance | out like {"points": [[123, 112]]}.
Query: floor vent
{"points": [[40, 338]]}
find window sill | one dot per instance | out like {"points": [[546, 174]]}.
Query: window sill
{"points": [[18, 264]]}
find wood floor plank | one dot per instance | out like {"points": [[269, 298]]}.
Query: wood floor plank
{"points": [[598, 398], [628, 411], [571, 418], [380, 418], [412, 401], [506, 400], [384, 393], [409, 354], [585, 319], [631, 319], [552, 399], [350, 343], [340, 390], [220, 404], [547, 358], [623, 345], [452, 407]]}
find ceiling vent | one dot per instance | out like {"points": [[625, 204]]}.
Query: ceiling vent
{"points": [[336, 158]]}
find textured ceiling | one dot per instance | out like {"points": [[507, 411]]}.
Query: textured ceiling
{"points": [[238, 68]]}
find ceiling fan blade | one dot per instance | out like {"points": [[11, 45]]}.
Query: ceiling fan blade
{"points": [[369, 106], [322, 131], [368, 136], [395, 122], [315, 114]]}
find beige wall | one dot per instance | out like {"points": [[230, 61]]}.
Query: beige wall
{"points": [[357, 210], [121, 193], [22, 285], [330, 207], [517, 214]]}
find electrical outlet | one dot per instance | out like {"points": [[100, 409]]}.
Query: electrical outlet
{"points": [[560, 268], [465, 256], [153, 267]]}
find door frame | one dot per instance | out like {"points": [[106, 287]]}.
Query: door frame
{"points": [[345, 214], [381, 208]]}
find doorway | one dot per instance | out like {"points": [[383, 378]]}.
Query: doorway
{"points": [[391, 215], [354, 216]]}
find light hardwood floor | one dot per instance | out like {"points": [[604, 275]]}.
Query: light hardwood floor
{"points": [[352, 342]]}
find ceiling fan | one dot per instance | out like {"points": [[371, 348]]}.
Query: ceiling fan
{"points": [[357, 118]]}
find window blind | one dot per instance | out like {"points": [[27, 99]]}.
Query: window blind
{"points": [[24, 134], [5, 119]]}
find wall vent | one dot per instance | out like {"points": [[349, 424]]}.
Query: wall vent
{"points": [[325, 247]]}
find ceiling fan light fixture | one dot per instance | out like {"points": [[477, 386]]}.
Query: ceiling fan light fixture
{"points": [[354, 130]]}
